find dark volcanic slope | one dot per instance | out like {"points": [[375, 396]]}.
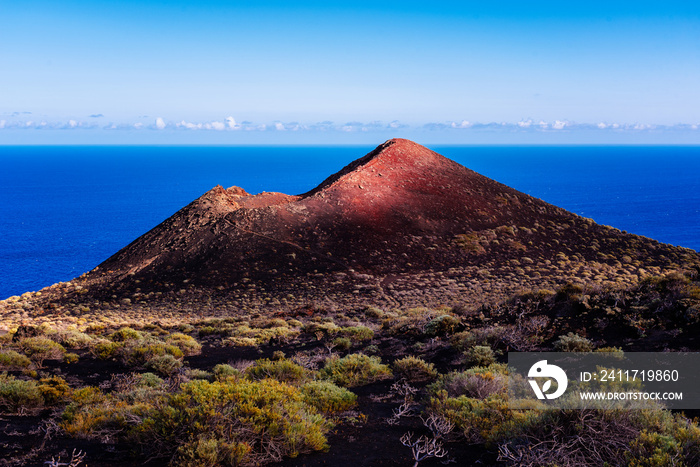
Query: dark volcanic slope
{"points": [[403, 225]]}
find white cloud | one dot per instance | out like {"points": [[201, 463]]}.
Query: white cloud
{"points": [[352, 126], [231, 123], [463, 124], [218, 126], [189, 126]]}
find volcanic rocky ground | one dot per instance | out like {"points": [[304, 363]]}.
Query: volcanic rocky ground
{"points": [[402, 226]]}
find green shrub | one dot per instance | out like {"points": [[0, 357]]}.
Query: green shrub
{"points": [[355, 370], [54, 390], [660, 444], [155, 329], [19, 396], [480, 355], [11, 360], [187, 344], [165, 365], [358, 333], [573, 343], [477, 383], [83, 396], [76, 418], [274, 323], [135, 348], [137, 353], [73, 339], [322, 329], [96, 329], [342, 343], [71, 357], [470, 241], [410, 323], [223, 371], [149, 380], [444, 324], [374, 312], [240, 342], [200, 374], [205, 452], [482, 420], [279, 334], [94, 415], [41, 348], [186, 328], [244, 335], [492, 336], [211, 330], [250, 423], [5, 339], [106, 349], [327, 398], [654, 450], [282, 370], [125, 334], [415, 369]]}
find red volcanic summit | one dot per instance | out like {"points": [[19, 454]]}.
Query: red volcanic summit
{"points": [[401, 225]]}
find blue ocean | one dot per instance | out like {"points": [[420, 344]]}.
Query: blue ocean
{"points": [[65, 209]]}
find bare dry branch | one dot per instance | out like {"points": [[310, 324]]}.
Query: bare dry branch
{"points": [[75, 460], [404, 390], [438, 425], [423, 447]]}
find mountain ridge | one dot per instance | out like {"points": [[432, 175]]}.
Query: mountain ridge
{"points": [[400, 226]]}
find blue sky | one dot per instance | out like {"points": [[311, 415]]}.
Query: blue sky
{"points": [[228, 72]]}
